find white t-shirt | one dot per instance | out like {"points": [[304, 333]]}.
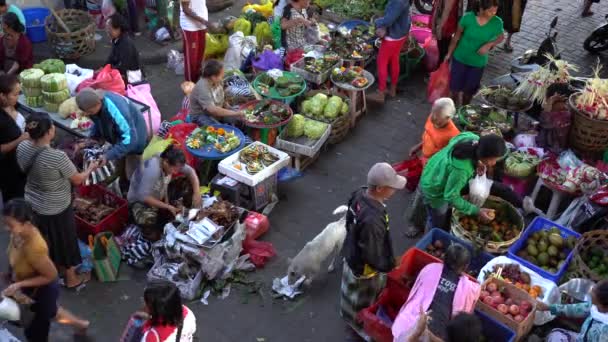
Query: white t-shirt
{"points": [[200, 8]]}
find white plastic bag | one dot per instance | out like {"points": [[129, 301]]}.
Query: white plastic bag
{"points": [[74, 75], [551, 294], [107, 8], [479, 189], [239, 47]]}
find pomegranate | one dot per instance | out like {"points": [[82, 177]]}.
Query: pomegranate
{"points": [[518, 318], [491, 287], [489, 300], [504, 309], [514, 310], [525, 306]]}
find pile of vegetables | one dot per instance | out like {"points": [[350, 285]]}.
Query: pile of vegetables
{"points": [[521, 164], [593, 99], [50, 66], [211, 137], [324, 108], [301, 126], [535, 86], [353, 76], [285, 86], [503, 97], [360, 9], [483, 118], [256, 157], [267, 112], [321, 65], [354, 44]]}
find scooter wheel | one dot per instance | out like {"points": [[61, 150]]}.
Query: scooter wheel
{"points": [[596, 43]]}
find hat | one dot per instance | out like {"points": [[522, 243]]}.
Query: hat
{"points": [[382, 174], [87, 98]]}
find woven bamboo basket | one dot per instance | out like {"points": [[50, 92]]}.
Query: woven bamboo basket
{"points": [[490, 246], [79, 42], [589, 240], [587, 135]]}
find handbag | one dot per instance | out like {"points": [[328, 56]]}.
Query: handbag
{"points": [[106, 256]]}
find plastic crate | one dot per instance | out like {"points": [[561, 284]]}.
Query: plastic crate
{"points": [[493, 330], [538, 224], [302, 145], [478, 258], [34, 23], [115, 222], [318, 79]]}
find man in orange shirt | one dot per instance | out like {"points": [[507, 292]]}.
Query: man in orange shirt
{"points": [[438, 130]]}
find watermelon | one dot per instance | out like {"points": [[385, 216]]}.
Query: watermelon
{"points": [[54, 83], [56, 97], [31, 92], [30, 78], [51, 107], [34, 101], [50, 66]]}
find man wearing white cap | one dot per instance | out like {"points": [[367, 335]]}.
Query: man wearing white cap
{"points": [[368, 250]]}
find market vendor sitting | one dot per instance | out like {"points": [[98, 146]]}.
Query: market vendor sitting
{"points": [[448, 172], [555, 119], [148, 195], [595, 313], [299, 29], [118, 121], [207, 97], [444, 289], [16, 52], [123, 56]]}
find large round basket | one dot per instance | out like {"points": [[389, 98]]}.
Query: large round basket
{"points": [[490, 246], [590, 240], [80, 41], [587, 135]]}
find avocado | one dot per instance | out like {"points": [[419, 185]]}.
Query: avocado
{"points": [[552, 251], [556, 240], [543, 259], [532, 250]]}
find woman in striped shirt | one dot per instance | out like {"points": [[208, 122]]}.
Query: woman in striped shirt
{"points": [[50, 176]]}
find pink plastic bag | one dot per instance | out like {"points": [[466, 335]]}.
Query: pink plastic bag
{"points": [[143, 94], [107, 79], [439, 84], [431, 56], [259, 251]]}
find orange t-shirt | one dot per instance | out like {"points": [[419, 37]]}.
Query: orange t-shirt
{"points": [[434, 139]]}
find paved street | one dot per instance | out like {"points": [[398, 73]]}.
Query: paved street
{"points": [[384, 134]]}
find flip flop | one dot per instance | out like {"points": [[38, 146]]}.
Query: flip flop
{"points": [[507, 48], [78, 287], [586, 14]]}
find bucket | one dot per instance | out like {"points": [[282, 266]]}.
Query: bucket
{"points": [[421, 20], [420, 34], [34, 23]]}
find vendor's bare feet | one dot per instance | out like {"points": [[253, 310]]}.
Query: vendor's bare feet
{"points": [[507, 47], [377, 97], [587, 14], [393, 91]]}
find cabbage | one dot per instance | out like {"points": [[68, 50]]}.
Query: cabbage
{"points": [[318, 103], [333, 108], [345, 108], [295, 127], [314, 129], [307, 107]]}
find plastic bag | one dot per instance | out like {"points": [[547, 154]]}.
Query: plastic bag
{"points": [[215, 44], [265, 8], [243, 25], [179, 133], [567, 160], [439, 84], [479, 189], [107, 8], [525, 140], [143, 94], [431, 54], [75, 75], [262, 33], [239, 48], [175, 61], [267, 60], [411, 169], [275, 28], [259, 252], [107, 79], [157, 145]]}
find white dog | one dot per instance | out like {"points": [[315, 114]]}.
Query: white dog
{"points": [[308, 262]]}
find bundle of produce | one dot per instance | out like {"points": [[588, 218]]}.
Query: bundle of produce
{"points": [[547, 249], [324, 108], [30, 84], [54, 91], [210, 137], [495, 296], [256, 158], [322, 64], [593, 99], [354, 44], [286, 85], [478, 118], [596, 259], [91, 210], [295, 127], [266, 112], [34, 101], [503, 97], [513, 274], [521, 164], [535, 86], [50, 66]]}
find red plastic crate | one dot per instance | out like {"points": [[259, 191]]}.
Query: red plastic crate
{"points": [[115, 222]]}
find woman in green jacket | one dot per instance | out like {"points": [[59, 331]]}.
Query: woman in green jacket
{"points": [[448, 172]]}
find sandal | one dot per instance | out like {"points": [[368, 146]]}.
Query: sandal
{"points": [[507, 48], [77, 288], [586, 14]]}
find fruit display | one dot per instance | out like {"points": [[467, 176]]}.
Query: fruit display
{"points": [[513, 274], [477, 118], [255, 158], [91, 210], [596, 259], [501, 300], [354, 44], [503, 97], [323, 107], [208, 138], [499, 230], [266, 113], [50, 66], [547, 249], [438, 249], [287, 85], [354, 76]]}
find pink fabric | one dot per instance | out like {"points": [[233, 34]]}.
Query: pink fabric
{"points": [[467, 293]]}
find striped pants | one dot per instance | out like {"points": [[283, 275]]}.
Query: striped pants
{"points": [[194, 52]]}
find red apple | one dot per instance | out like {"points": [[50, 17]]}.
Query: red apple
{"points": [[491, 287], [525, 306], [489, 300], [518, 318], [504, 309], [509, 301], [514, 310], [483, 295], [498, 299]]}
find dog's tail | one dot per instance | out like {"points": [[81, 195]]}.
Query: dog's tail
{"points": [[341, 210]]}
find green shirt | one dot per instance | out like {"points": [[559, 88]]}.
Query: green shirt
{"points": [[474, 37], [444, 177]]}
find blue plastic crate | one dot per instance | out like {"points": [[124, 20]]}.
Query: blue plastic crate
{"points": [[539, 224], [478, 259], [493, 330]]}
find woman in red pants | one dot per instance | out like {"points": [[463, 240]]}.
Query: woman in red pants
{"points": [[393, 28], [193, 20]]}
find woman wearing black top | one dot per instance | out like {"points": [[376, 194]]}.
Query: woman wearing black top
{"points": [[124, 55], [12, 125]]}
